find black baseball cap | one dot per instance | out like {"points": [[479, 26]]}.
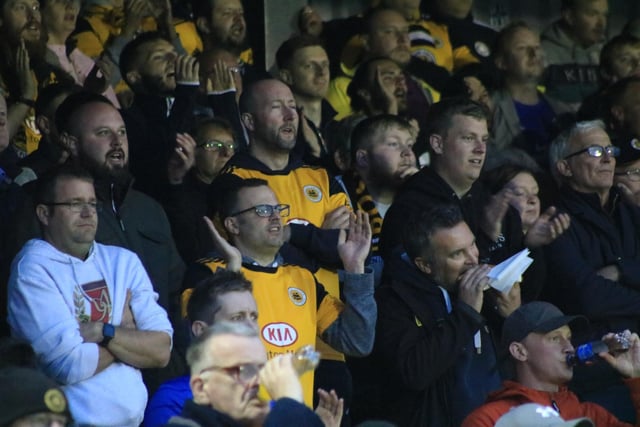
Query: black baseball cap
{"points": [[536, 316]]}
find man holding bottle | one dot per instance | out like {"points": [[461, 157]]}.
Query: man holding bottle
{"points": [[537, 337]]}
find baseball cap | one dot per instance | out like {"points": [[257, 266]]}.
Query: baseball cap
{"points": [[536, 415], [536, 316], [629, 147], [30, 392]]}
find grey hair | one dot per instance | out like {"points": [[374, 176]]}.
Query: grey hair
{"points": [[196, 353], [559, 148]]}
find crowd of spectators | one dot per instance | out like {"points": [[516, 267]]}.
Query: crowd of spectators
{"points": [[176, 223]]}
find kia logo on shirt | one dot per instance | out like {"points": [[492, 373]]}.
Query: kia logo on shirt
{"points": [[279, 334]]}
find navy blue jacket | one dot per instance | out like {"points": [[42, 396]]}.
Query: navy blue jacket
{"points": [[429, 371], [596, 238]]}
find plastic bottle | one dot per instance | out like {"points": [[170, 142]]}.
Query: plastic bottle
{"points": [[587, 353]]}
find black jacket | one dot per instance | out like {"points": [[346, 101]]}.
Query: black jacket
{"points": [[597, 237], [426, 188], [428, 366], [151, 129]]}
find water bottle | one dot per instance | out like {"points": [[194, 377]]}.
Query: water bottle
{"points": [[305, 359], [588, 353]]}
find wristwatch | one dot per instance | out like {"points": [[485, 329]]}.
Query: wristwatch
{"points": [[108, 332]]}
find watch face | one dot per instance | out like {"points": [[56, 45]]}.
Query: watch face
{"points": [[108, 331]]}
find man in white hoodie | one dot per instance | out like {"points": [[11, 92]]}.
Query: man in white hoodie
{"points": [[88, 310]]}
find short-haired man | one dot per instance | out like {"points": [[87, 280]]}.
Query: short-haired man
{"points": [[537, 338], [224, 296], [88, 310], [228, 364], [595, 262], [30, 398], [222, 25], [523, 117], [165, 85], [431, 337], [303, 65], [294, 308], [382, 159], [572, 49], [458, 139]]}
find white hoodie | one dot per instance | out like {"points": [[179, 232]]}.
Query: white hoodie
{"points": [[51, 291]]}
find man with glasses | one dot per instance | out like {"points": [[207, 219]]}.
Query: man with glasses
{"points": [[294, 307], [228, 365], [596, 262], [187, 203], [88, 310]]}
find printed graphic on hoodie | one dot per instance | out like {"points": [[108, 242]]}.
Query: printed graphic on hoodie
{"points": [[99, 299]]}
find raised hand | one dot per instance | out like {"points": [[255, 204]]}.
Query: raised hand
{"points": [[310, 22], [387, 91], [230, 253], [182, 159], [472, 285], [26, 76], [627, 362], [547, 228], [354, 247], [494, 213], [220, 78], [279, 378], [187, 69], [337, 218], [329, 408]]}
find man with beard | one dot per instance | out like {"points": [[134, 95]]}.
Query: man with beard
{"points": [[523, 117], [379, 87], [382, 159], [222, 25], [88, 309], [22, 71], [303, 65], [165, 85]]}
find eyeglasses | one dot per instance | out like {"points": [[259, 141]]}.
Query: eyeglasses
{"points": [[243, 374], [632, 174], [214, 145], [78, 207], [266, 210], [597, 151]]}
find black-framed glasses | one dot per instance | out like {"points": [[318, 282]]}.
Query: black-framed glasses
{"points": [[266, 210], [215, 145], [632, 174], [78, 207], [597, 151], [243, 374]]}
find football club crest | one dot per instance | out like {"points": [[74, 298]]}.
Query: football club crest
{"points": [[312, 193], [55, 400], [635, 144], [297, 296], [482, 49]]}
